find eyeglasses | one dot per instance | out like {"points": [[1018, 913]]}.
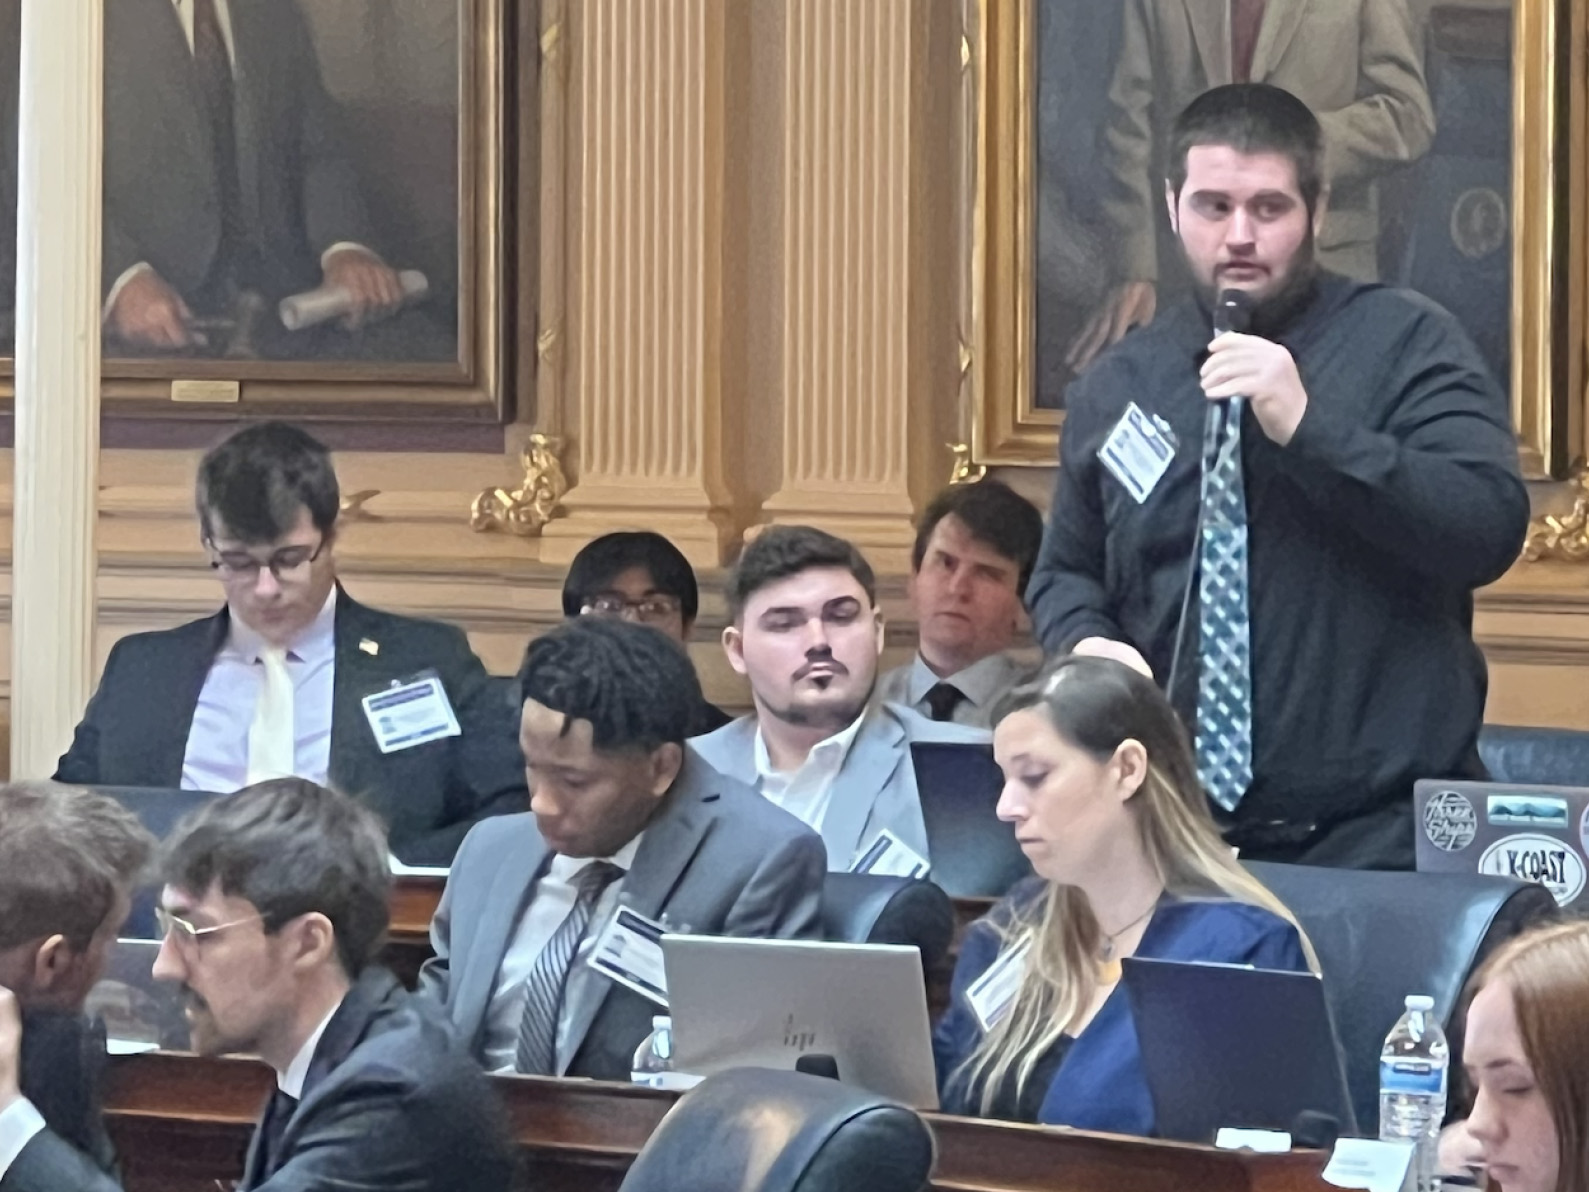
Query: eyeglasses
{"points": [[184, 933], [242, 565], [648, 609]]}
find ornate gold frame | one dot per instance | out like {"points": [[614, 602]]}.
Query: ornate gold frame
{"points": [[1548, 225], [475, 387]]}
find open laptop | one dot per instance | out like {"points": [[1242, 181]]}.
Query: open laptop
{"points": [[1535, 833], [764, 1003], [1227, 1045], [974, 855], [158, 809]]}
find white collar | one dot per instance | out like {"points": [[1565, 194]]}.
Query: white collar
{"points": [[836, 747], [565, 869], [291, 1081], [317, 642], [979, 683]]}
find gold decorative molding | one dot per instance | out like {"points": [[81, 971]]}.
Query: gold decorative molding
{"points": [[351, 507], [1563, 539], [964, 470], [526, 509]]}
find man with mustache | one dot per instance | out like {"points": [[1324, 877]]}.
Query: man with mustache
{"points": [[69, 859], [274, 906], [806, 631], [1331, 487]]}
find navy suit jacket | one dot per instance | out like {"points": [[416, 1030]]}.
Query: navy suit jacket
{"points": [[1100, 1084], [135, 731], [390, 1101]]}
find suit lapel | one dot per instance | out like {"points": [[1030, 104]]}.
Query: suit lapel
{"points": [[1281, 19], [520, 868], [1210, 22], [357, 674], [873, 757], [669, 846], [190, 668]]}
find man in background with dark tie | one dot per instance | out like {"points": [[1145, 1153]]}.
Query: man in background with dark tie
{"points": [[975, 546], [623, 816], [1286, 526], [274, 907], [69, 860]]}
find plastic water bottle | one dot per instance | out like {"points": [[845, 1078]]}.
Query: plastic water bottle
{"points": [[1413, 1070], [653, 1059]]}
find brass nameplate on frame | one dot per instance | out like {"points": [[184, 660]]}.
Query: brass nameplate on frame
{"points": [[207, 391]]}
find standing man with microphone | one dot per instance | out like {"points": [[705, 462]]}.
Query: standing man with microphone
{"points": [[1284, 521]]}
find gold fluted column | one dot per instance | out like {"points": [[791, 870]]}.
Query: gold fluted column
{"points": [[641, 357], [868, 334], [57, 378]]}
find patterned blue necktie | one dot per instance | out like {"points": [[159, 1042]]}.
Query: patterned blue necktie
{"points": [[543, 993], [1224, 686]]}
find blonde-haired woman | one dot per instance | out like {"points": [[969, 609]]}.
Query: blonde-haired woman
{"points": [[1102, 790], [1526, 1050]]}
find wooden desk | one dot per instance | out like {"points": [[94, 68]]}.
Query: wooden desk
{"points": [[182, 1123]]}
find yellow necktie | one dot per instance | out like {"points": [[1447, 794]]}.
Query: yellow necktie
{"points": [[272, 737]]}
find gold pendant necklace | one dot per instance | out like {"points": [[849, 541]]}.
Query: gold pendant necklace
{"points": [[1106, 950]]}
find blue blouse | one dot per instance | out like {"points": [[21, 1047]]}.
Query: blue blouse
{"points": [[1100, 1084]]}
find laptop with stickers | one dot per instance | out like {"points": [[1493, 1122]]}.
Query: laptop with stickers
{"points": [[1533, 833]]}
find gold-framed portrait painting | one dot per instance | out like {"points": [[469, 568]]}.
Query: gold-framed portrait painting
{"points": [[1454, 130], [307, 203]]}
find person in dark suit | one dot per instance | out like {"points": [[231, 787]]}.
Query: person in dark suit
{"points": [[68, 861], [638, 575], [226, 171], [1101, 789], [274, 906], [275, 683], [623, 813]]}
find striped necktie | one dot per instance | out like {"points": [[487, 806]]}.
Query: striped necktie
{"points": [[543, 990], [1224, 686]]}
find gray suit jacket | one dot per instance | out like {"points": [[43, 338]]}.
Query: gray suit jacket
{"points": [[876, 786], [717, 859]]}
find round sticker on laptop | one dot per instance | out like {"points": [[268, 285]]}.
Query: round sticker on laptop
{"points": [[1449, 821], [1529, 857]]}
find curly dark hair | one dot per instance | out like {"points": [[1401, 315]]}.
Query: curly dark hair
{"points": [[635, 685]]}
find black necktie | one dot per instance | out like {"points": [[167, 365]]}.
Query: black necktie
{"points": [[943, 699], [214, 69], [278, 1112]]}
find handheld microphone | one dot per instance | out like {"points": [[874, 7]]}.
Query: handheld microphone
{"points": [[1233, 312]]}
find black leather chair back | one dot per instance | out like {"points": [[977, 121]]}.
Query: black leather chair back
{"points": [[1535, 756], [974, 855], [1382, 936], [864, 908], [760, 1130]]}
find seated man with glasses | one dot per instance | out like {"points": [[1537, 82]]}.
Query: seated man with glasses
{"points": [[638, 575], [274, 906], [68, 862], [293, 677]]}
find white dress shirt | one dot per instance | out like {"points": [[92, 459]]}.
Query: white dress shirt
{"points": [[553, 898], [981, 683], [217, 750], [805, 793], [18, 1124], [291, 1081]]}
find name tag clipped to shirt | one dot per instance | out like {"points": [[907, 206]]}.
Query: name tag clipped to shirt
{"points": [[993, 993], [409, 714], [1138, 451], [889, 856], [629, 951]]}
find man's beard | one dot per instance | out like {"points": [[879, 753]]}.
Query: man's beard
{"points": [[829, 716], [1273, 312]]}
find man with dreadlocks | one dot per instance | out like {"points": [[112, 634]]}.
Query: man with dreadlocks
{"points": [[621, 811]]}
